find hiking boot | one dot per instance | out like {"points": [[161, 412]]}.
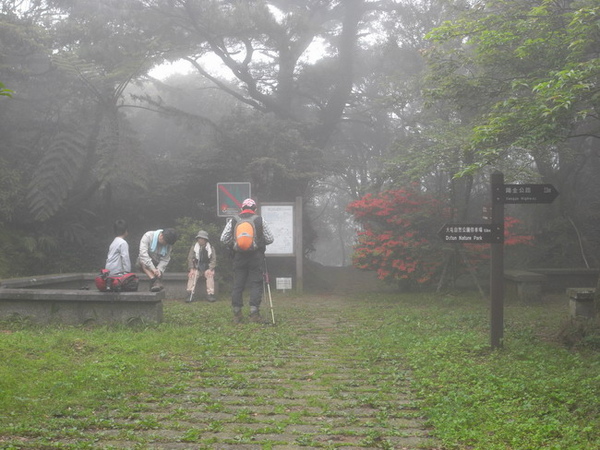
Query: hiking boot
{"points": [[255, 318], [156, 285], [237, 317], [211, 298]]}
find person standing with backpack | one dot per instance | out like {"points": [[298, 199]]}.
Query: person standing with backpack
{"points": [[248, 235]]}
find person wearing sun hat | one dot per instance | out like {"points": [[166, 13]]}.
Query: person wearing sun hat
{"points": [[247, 265], [202, 261]]}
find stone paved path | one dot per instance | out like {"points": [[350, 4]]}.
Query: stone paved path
{"points": [[319, 394]]}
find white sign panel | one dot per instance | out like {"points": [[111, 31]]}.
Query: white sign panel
{"points": [[283, 283], [280, 219]]}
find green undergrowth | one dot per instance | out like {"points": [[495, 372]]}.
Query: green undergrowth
{"points": [[533, 393], [58, 383]]}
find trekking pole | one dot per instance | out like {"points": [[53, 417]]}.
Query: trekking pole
{"points": [[194, 285], [266, 280]]}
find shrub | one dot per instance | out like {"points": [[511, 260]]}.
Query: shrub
{"points": [[399, 237]]}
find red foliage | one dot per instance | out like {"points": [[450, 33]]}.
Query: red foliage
{"points": [[399, 238]]}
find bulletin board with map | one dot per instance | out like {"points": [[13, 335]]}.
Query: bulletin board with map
{"points": [[280, 219]]}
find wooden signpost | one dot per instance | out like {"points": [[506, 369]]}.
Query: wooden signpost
{"points": [[493, 233]]}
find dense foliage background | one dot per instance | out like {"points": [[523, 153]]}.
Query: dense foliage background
{"points": [[328, 100]]}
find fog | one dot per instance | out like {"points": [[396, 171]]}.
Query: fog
{"points": [[137, 109]]}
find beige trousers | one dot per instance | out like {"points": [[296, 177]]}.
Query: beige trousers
{"points": [[210, 280]]}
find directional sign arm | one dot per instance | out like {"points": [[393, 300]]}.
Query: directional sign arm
{"points": [[472, 233], [524, 193]]}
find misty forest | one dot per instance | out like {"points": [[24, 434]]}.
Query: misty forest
{"points": [[387, 117]]}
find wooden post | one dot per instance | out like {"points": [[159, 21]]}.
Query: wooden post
{"points": [[497, 266], [298, 249]]}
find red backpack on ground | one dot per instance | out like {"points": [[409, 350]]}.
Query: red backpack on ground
{"points": [[128, 282]]}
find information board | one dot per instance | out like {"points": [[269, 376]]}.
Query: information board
{"points": [[280, 219]]}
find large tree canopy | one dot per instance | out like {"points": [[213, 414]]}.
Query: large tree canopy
{"points": [[264, 45]]}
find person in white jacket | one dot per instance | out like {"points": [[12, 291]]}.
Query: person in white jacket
{"points": [[202, 261], [155, 254], [118, 261]]}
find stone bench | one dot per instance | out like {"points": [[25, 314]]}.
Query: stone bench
{"points": [[523, 285], [81, 307], [581, 302], [53, 281], [73, 299], [174, 282], [528, 285], [558, 280]]}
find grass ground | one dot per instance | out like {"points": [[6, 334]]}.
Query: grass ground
{"points": [[353, 371]]}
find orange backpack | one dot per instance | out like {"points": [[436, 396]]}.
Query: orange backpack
{"points": [[244, 234]]}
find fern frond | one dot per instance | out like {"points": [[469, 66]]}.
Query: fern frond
{"points": [[75, 232], [56, 173], [88, 73]]}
